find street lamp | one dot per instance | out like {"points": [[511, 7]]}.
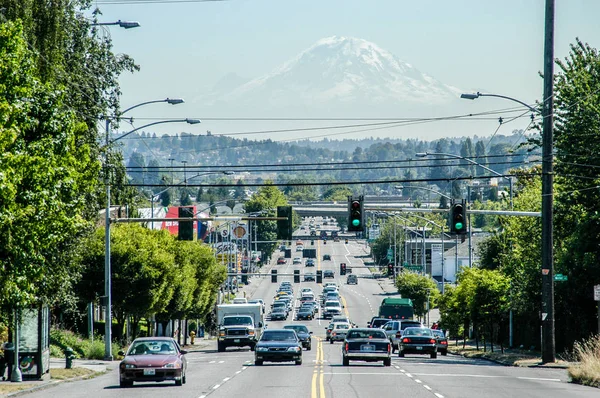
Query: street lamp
{"points": [[451, 155], [107, 271], [548, 336], [122, 24], [157, 195]]}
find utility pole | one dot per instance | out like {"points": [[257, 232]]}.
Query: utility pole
{"points": [[548, 338]]}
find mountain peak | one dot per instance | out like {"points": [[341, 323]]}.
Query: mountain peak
{"points": [[342, 70]]}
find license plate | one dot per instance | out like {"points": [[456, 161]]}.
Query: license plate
{"points": [[236, 340], [419, 348], [367, 347], [149, 372]]}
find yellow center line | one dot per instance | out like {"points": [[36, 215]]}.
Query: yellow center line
{"points": [[318, 373], [345, 306]]}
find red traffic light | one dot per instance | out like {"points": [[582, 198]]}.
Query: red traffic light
{"points": [[355, 205]]}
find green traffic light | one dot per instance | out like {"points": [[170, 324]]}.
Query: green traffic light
{"points": [[458, 225], [356, 223]]}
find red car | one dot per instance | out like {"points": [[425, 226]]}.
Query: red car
{"points": [[153, 359], [281, 260]]}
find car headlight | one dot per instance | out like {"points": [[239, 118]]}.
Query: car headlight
{"points": [[294, 349], [129, 366], [262, 349], [172, 365]]}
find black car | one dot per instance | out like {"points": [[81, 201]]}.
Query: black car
{"points": [[326, 257], [279, 314], [377, 322], [278, 345], [309, 262], [366, 344], [328, 274], [303, 334], [352, 280], [305, 313], [417, 341]]}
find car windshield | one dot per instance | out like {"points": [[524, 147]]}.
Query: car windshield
{"points": [[279, 335], [332, 304], [417, 332], [438, 333], [237, 320], [297, 328], [152, 347], [366, 334]]}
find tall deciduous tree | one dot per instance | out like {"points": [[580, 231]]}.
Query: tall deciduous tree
{"points": [[47, 176]]}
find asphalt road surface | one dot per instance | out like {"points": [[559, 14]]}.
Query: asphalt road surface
{"points": [[233, 374]]}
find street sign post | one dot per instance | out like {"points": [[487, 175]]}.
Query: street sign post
{"points": [[560, 278], [597, 298]]}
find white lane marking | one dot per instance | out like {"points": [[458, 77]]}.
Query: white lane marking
{"points": [[438, 395], [427, 387], [212, 361], [238, 372], [418, 381], [221, 361], [226, 379], [485, 376], [244, 368], [537, 378], [202, 396], [216, 386], [409, 375]]}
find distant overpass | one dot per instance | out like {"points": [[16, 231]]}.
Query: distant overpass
{"points": [[312, 209]]}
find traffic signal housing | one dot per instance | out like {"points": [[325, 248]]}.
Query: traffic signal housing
{"points": [[284, 227], [343, 269], [390, 269], [185, 228], [273, 276], [319, 276], [296, 276], [355, 214], [458, 218]]}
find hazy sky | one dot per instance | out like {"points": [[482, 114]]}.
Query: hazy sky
{"points": [[184, 48]]}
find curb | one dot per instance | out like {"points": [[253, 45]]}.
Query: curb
{"points": [[513, 364]]}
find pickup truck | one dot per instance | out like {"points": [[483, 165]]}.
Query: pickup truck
{"points": [[240, 325]]}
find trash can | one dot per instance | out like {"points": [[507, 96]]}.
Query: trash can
{"points": [[9, 358]]}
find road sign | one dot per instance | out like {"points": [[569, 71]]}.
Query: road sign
{"points": [[560, 277], [597, 293], [390, 254]]}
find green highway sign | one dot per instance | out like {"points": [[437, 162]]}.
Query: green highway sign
{"points": [[560, 277]]}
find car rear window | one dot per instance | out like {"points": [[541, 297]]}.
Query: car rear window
{"points": [[417, 332], [366, 334]]}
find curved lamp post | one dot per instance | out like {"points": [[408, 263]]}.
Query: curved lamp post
{"points": [[157, 195], [107, 271], [451, 155]]}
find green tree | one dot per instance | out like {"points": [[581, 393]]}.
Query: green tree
{"points": [[143, 271], [48, 175], [265, 201], [421, 289]]}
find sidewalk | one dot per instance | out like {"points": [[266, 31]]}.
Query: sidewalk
{"points": [[510, 356], [82, 369]]}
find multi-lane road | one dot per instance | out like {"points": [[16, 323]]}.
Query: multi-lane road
{"points": [[233, 374]]}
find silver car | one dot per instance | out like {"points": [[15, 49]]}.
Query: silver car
{"points": [[338, 331], [393, 329]]}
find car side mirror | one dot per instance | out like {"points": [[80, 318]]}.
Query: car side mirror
{"points": [[183, 352], [310, 333], [121, 353]]}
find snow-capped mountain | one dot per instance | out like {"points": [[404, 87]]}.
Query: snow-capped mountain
{"points": [[339, 72]]}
